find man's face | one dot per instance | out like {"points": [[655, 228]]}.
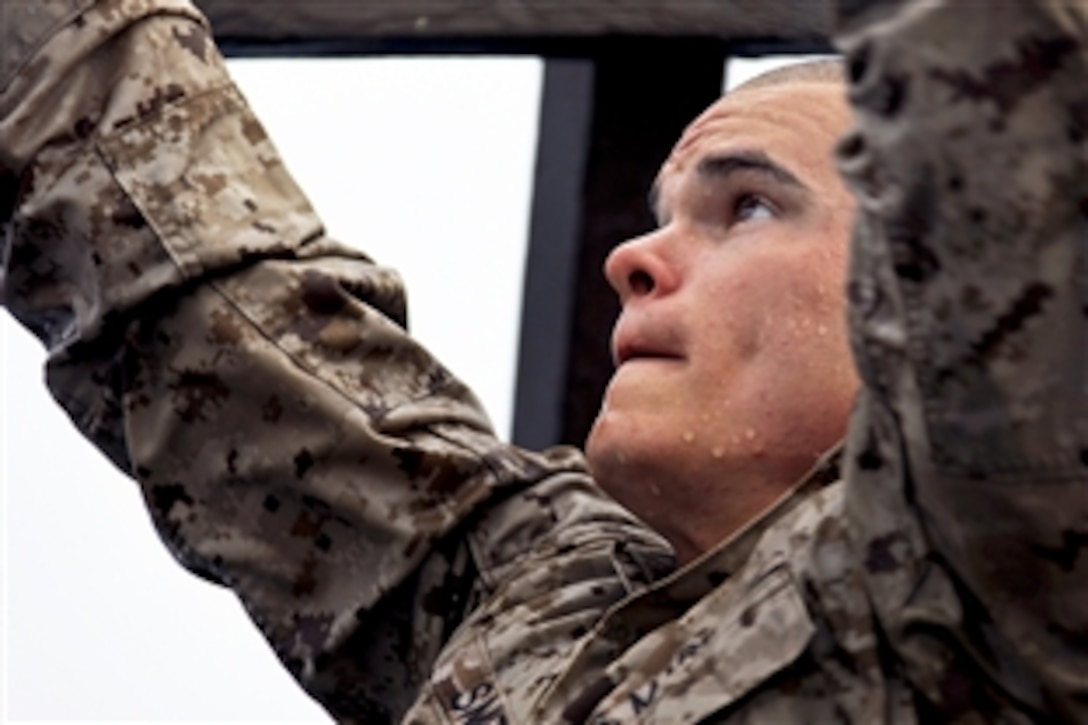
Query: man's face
{"points": [[732, 363]]}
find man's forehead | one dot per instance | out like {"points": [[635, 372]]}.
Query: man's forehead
{"points": [[777, 120]]}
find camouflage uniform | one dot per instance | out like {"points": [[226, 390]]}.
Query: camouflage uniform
{"points": [[294, 444]]}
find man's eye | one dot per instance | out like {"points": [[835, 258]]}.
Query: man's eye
{"points": [[750, 207]]}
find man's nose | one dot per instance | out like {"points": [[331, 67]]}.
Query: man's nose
{"points": [[640, 268]]}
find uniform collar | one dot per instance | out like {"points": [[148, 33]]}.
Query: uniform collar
{"points": [[694, 580]]}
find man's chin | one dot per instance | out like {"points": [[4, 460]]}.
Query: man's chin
{"points": [[614, 449]]}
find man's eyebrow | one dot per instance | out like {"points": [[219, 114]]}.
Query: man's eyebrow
{"points": [[722, 166]]}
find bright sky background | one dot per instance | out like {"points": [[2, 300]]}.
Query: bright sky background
{"points": [[424, 163]]}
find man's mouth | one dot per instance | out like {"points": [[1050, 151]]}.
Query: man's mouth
{"points": [[630, 348]]}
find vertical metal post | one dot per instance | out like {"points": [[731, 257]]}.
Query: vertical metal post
{"points": [[566, 112]]}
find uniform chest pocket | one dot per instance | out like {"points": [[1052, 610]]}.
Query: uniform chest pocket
{"points": [[723, 648]]}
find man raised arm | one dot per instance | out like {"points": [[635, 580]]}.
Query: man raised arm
{"points": [[290, 440]]}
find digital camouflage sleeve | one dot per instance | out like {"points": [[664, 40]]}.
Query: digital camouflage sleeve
{"points": [[294, 444], [290, 440]]}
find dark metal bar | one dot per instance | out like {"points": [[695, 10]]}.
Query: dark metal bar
{"points": [[258, 21], [551, 269]]}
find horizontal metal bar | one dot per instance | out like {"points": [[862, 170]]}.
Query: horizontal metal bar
{"points": [[404, 25]]}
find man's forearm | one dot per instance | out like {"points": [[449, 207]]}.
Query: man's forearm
{"points": [[205, 334], [290, 439], [967, 306]]}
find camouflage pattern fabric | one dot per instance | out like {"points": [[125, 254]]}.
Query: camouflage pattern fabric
{"points": [[293, 443]]}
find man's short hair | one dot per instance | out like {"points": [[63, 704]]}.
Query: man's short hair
{"points": [[824, 70]]}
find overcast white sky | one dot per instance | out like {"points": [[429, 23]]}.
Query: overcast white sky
{"points": [[425, 164]]}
